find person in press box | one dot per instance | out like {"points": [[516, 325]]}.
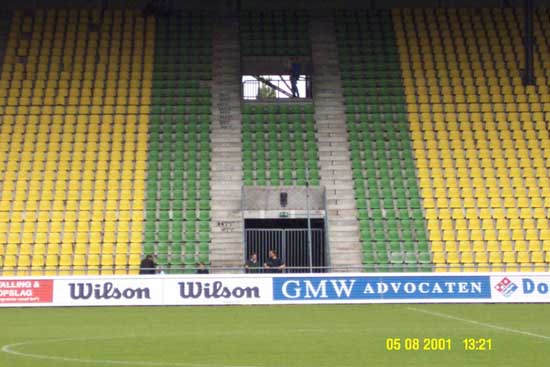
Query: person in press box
{"points": [[295, 70]]}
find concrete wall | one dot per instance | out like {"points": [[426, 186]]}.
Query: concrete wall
{"points": [[267, 198], [271, 65]]}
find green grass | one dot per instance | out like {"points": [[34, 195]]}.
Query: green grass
{"points": [[277, 336]]}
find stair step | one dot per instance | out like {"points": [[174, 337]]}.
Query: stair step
{"points": [[345, 177], [226, 148], [346, 259], [326, 136], [340, 194], [343, 236], [334, 156], [231, 173], [330, 124], [227, 163], [225, 260], [231, 141], [332, 148], [341, 203], [228, 185], [226, 171], [334, 165], [225, 232], [343, 213], [332, 139], [226, 167]]}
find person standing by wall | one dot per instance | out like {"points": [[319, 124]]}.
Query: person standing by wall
{"points": [[253, 265], [202, 269], [295, 70], [274, 264], [148, 266]]}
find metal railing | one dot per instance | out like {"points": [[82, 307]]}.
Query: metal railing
{"points": [[292, 245], [180, 269], [258, 90]]}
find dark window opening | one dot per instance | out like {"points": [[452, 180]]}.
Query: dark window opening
{"points": [[273, 87]]}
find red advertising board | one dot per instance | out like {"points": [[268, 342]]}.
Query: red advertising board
{"points": [[26, 291]]}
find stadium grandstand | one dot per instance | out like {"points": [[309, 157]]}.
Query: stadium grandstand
{"points": [[349, 136]]}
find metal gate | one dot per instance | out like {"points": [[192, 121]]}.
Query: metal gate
{"points": [[290, 244]]}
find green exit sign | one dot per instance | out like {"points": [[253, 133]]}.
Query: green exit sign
{"points": [[283, 215]]}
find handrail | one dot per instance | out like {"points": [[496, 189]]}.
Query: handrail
{"points": [[272, 89], [191, 269]]}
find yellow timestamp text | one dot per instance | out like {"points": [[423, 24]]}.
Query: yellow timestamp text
{"points": [[415, 344], [477, 344], [437, 344]]}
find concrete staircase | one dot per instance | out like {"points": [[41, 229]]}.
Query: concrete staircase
{"points": [[227, 251], [334, 158]]}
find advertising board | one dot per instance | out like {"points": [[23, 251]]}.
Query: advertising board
{"points": [[26, 291], [258, 289]]}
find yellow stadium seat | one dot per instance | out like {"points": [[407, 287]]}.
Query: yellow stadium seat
{"points": [[537, 257], [80, 248], [23, 265], [438, 257], [52, 263], [46, 110], [452, 258], [505, 156], [495, 257], [467, 257], [523, 257], [544, 235], [526, 267], [437, 246], [509, 257], [79, 264], [25, 249]]}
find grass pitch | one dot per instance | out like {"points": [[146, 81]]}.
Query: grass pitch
{"points": [[275, 336]]}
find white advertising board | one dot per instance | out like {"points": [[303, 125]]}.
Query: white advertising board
{"points": [[214, 290], [256, 289]]}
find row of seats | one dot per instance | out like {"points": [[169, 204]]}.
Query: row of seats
{"points": [[56, 46], [75, 264], [80, 248], [383, 260], [386, 191], [73, 174], [84, 111], [5, 21], [480, 136], [274, 33], [177, 218], [496, 257], [279, 145]]}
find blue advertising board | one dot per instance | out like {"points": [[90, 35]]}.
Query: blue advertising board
{"points": [[356, 288]]}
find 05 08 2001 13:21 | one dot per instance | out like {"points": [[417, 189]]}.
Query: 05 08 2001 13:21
{"points": [[418, 344]]}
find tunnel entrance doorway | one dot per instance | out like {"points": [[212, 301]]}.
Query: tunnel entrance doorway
{"points": [[289, 237]]}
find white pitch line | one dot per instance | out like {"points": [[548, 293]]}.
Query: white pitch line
{"points": [[10, 349], [478, 323]]}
